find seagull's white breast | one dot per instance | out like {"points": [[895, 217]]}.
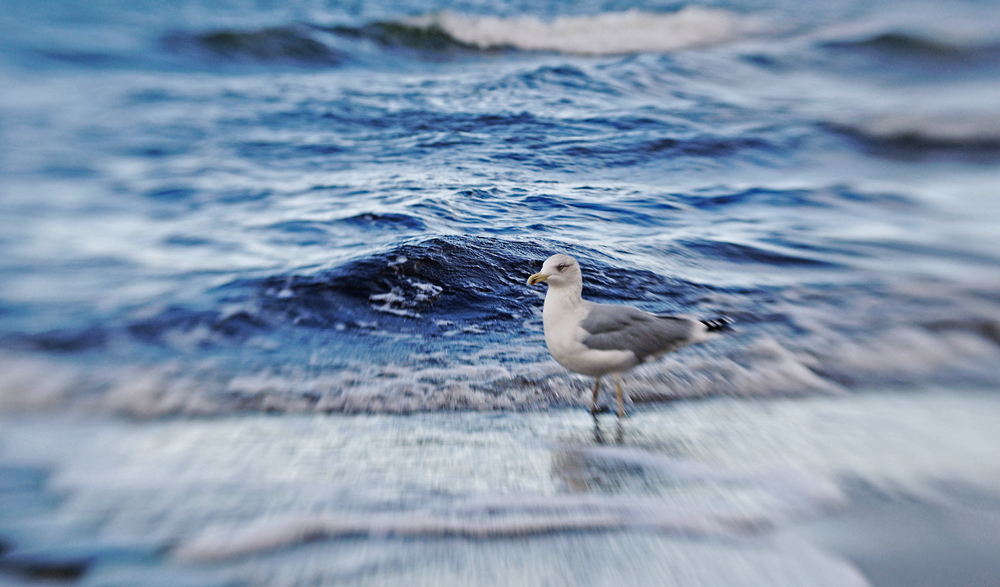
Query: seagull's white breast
{"points": [[561, 317]]}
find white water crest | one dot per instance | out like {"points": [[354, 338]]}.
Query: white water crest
{"points": [[610, 33]]}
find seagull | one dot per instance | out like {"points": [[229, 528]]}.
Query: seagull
{"points": [[600, 339]]}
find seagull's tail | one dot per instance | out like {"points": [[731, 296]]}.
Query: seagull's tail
{"points": [[718, 324]]}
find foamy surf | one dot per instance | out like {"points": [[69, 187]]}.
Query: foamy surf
{"points": [[610, 33], [498, 377]]}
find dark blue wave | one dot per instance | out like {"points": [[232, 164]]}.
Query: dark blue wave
{"points": [[407, 288], [899, 46], [432, 39], [289, 45], [520, 137], [833, 197], [745, 254], [975, 145], [459, 279], [63, 340]]}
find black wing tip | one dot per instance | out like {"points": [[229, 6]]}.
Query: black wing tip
{"points": [[721, 324]]}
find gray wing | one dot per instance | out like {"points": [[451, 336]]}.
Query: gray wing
{"points": [[624, 328]]}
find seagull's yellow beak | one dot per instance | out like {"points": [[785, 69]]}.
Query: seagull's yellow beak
{"points": [[536, 278]]}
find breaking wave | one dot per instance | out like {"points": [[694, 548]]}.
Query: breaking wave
{"points": [[610, 33]]}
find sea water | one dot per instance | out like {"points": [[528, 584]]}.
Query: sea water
{"points": [[719, 492], [312, 210]]}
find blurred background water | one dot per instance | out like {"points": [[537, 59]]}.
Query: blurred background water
{"points": [[226, 208]]}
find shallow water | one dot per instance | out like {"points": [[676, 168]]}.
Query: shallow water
{"points": [[721, 492]]}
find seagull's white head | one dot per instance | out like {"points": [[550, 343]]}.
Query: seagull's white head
{"points": [[559, 271]]}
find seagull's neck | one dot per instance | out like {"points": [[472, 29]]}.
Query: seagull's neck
{"points": [[566, 299]]}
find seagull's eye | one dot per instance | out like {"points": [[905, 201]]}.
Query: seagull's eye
{"points": [[561, 267]]}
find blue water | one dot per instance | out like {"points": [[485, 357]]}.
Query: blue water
{"points": [[214, 212], [298, 206]]}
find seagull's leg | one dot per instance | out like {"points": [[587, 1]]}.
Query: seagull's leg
{"points": [[618, 391], [597, 389]]}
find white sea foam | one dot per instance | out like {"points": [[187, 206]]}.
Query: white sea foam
{"points": [[30, 384], [480, 382], [610, 33], [405, 303], [765, 367]]}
